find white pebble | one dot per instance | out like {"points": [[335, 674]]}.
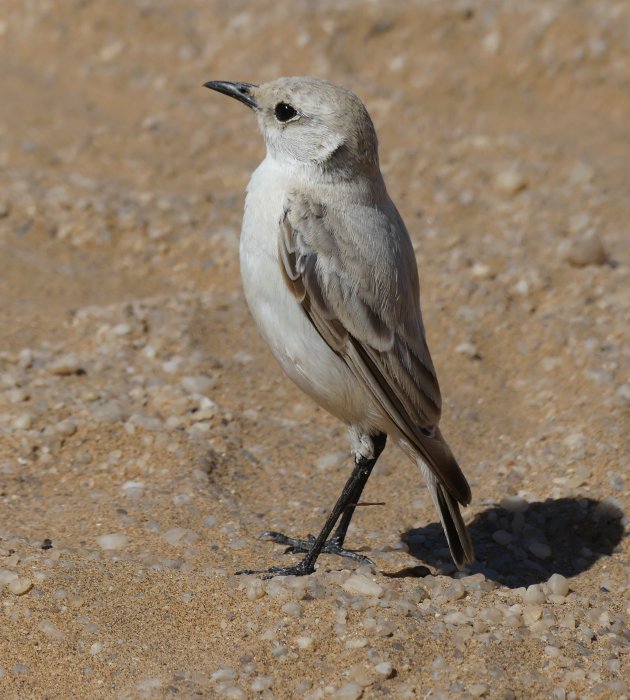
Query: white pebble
{"points": [[49, 629], [112, 541], [198, 384], [510, 182], [96, 648], [531, 614], [109, 412], [224, 674], [492, 616], [6, 576], [534, 595], [349, 691], [66, 365], [276, 588], [558, 585], [304, 642], [384, 668], [357, 584], [357, 643], [456, 618], [254, 589], [515, 504], [20, 586], [292, 609], [491, 42], [261, 683], [133, 489], [467, 348], [23, 421], [583, 250], [180, 535], [66, 428], [454, 591]]}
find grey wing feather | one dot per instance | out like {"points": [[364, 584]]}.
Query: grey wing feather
{"points": [[339, 266]]}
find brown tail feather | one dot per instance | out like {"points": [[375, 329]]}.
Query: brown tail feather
{"points": [[456, 533]]}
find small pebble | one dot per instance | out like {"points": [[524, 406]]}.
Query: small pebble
{"points": [[468, 349], [510, 182], [113, 541], [502, 537], [540, 550], [66, 428], [180, 535], [492, 615], [491, 42], [456, 618], [357, 584], [261, 683], [66, 365], [583, 250], [224, 674], [534, 595], [24, 421], [349, 691], [254, 589], [531, 614], [49, 629], [292, 609], [198, 384], [133, 489], [356, 643], [20, 586], [384, 668], [558, 585]]}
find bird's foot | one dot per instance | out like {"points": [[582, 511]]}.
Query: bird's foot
{"points": [[298, 570], [331, 546]]}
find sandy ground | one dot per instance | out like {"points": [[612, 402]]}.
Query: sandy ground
{"points": [[147, 436]]}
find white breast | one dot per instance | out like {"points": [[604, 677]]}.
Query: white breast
{"points": [[295, 343]]}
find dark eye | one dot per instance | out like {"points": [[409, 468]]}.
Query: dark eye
{"points": [[284, 112]]}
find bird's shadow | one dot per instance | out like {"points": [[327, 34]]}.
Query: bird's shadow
{"points": [[525, 544]]}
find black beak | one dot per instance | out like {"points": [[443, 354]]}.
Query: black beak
{"points": [[239, 91]]}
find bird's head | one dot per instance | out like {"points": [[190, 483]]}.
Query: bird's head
{"points": [[308, 120]]}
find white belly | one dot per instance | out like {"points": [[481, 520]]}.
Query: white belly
{"points": [[295, 343]]}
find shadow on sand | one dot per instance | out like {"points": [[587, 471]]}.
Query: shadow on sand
{"points": [[529, 542]]}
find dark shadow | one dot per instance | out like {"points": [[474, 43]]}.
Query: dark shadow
{"points": [[530, 542]]}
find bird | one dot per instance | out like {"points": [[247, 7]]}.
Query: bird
{"points": [[330, 276]]}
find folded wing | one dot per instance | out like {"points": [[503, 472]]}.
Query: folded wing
{"points": [[354, 273]]}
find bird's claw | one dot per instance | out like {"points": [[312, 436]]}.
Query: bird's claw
{"points": [[295, 546], [297, 570]]}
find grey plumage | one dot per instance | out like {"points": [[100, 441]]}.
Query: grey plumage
{"points": [[330, 276]]}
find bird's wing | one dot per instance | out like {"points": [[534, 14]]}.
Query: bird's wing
{"points": [[354, 273]]}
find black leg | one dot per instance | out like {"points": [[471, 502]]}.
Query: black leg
{"points": [[339, 535], [344, 508]]}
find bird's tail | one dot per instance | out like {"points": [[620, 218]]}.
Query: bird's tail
{"points": [[436, 458], [456, 532]]}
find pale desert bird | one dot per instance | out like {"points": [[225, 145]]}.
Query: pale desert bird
{"points": [[331, 279]]}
